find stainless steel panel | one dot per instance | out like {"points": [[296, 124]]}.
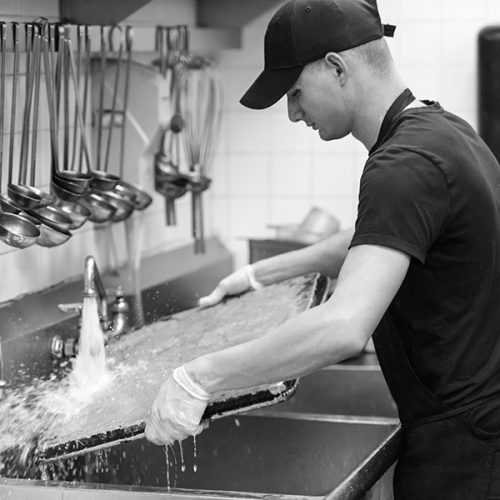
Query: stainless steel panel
{"points": [[276, 454]]}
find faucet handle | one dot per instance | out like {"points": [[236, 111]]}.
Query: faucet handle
{"points": [[71, 307]]}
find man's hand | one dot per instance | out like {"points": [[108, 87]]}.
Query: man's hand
{"points": [[177, 410], [240, 281]]}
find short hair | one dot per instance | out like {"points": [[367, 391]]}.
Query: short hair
{"points": [[375, 54]]}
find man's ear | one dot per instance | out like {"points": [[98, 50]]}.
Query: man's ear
{"points": [[336, 62]]}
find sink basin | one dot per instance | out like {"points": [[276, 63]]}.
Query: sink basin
{"points": [[343, 390], [268, 453]]}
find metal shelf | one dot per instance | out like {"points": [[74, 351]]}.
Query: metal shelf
{"points": [[219, 22], [200, 39]]}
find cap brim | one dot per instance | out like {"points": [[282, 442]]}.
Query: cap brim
{"points": [[270, 87]]}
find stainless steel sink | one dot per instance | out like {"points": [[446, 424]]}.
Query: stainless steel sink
{"points": [[264, 453], [336, 437], [343, 389]]}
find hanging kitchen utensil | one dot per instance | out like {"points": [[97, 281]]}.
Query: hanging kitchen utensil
{"points": [[101, 210], [6, 204], [67, 184], [52, 215], [53, 221], [21, 195], [169, 181], [91, 206], [120, 199], [102, 180], [47, 198], [32, 101], [75, 142], [123, 207], [78, 213], [201, 104], [86, 78], [113, 111], [67, 199], [136, 195], [15, 230]]}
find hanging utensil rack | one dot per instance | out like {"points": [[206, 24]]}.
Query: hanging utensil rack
{"points": [[68, 76]]}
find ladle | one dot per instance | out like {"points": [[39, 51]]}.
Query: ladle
{"points": [[66, 178], [52, 235], [102, 180], [53, 221], [78, 78], [21, 195], [15, 230], [139, 198], [52, 215], [47, 210], [29, 217], [33, 88], [86, 78], [78, 213], [124, 208], [67, 187], [6, 205], [100, 208]]}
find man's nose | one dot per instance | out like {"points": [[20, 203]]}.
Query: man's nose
{"points": [[294, 113]]}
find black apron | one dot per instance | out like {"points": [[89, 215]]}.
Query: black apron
{"points": [[444, 456]]}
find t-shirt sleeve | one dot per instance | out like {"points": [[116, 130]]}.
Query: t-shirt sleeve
{"points": [[404, 202]]}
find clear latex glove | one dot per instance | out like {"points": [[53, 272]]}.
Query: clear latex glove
{"points": [[240, 281], [177, 410]]}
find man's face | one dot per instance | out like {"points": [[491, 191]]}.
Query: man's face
{"points": [[318, 99]]}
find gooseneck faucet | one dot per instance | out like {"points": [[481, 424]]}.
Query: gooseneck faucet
{"points": [[94, 287], [112, 308]]}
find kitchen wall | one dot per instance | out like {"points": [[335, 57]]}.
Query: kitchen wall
{"points": [[267, 170], [35, 268], [271, 171]]}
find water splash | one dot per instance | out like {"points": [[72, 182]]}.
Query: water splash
{"points": [[195, 466], [30, 414], [183, 465], [89, 368], [89, 372], [168, 467]]}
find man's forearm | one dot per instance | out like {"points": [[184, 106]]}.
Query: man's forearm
{"points": [[325, 257], [303, 344]]}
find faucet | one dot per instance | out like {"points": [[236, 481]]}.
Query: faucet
{"points": [[114, 317], [93, 287]]}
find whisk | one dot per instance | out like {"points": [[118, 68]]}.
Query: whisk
{"points": [[201, 105]]}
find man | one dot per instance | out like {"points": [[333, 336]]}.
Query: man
{"points": [[420, 271]]}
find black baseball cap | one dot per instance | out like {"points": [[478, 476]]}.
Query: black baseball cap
{"points": [[303, 31]]}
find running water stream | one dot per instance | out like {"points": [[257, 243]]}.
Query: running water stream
{"points": [[29, 413], [89, 369]]}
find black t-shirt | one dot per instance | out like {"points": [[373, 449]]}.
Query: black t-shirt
{"points": [[432, 190]]}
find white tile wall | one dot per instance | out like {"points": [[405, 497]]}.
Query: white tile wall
{"points": [[267, 170]]}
